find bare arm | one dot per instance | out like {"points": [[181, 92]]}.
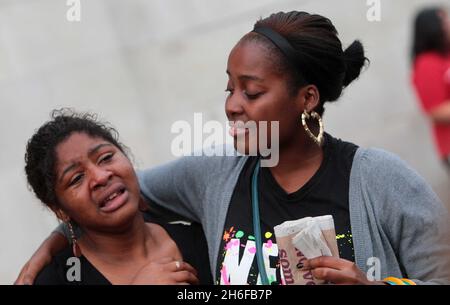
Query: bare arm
{"points": [[43, 255], [441, 114]]}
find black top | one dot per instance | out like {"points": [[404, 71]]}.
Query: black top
{"points": [[188, 236], [61, 271], [326, 193]]}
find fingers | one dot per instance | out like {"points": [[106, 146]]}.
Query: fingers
{"points": [[181, 266], [327, 262], [336, 270], [28, 279], [25, 278], [183, 272], [20, 278], [166, 271], [332, 275], [31, 275], [190, 269], [185, 277]]}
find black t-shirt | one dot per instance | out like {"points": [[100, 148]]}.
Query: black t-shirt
{"points": [[188, 236], [61, 271], [326, 193]]}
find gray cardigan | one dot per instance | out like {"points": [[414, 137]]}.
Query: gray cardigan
{"points": [[395, 216]]}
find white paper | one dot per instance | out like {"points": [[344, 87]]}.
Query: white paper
{"points": [[311, 242]]}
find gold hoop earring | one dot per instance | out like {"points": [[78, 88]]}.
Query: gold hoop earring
{"points": [[314, 115], [75, 247]]}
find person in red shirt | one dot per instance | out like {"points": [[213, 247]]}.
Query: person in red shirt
{"points": [[431, 73]]}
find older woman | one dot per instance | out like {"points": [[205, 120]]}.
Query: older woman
{"points": [[76, 166]]}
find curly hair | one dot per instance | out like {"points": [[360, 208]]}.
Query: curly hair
{"points": [[40, 155]]}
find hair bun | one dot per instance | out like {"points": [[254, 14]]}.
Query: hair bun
{"points": [[354, 60]]}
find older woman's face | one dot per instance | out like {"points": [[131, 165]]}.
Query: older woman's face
{"points": [[96, 185], [258, 93]]}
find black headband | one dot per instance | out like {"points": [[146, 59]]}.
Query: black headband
{"points": [[283, 44]]}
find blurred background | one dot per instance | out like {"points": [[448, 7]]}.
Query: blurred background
{"points": [[144, 64]]}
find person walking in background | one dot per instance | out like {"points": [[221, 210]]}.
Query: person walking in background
{"points": [[431, 73]]}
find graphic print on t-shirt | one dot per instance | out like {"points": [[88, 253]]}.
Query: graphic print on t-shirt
{"points": [[326, 193], [239, 255], [239, 264]]}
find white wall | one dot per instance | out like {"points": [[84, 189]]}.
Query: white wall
{"points": [[142, 64]]}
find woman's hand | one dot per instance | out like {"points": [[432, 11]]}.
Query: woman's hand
{"points": [[337, 271], [42, 257], [167, 271]]}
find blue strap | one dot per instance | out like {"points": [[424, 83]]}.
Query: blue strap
{"points": [[257, 227]]}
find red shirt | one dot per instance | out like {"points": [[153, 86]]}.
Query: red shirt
{"points": [[431, 78]]}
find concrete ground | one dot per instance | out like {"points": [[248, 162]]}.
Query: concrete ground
{"points": [[144, 64]]}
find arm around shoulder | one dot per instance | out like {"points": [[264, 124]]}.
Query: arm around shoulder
{"points": [[42, 257]]}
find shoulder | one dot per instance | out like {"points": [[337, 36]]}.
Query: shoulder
{"points": [[54, 273], [391, 182], [430, 57], [386, 174], [378, 163], [343, 150], [165, 242], [429, 61]]}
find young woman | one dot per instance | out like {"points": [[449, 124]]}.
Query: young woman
{"points": [[77, 167], [285, 70], [431, 73]]}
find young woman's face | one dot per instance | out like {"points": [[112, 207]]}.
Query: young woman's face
{"points": [[258, 93], [96, 185]]}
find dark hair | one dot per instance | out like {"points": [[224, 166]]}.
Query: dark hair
{"points": [[40, 156], [322, 60], [429, 34]]}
